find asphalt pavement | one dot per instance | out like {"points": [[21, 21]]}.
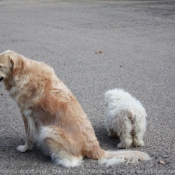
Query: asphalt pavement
{"points": [[94, 46]]}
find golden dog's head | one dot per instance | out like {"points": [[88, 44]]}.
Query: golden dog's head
{"points": [[11, 64]]}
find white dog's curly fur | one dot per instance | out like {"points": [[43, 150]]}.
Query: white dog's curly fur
{"points": [[125, 118]]}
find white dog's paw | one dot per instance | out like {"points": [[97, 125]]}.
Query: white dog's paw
{"points": [[125, 144], [120, 146], [23, 148], [138, 142]]}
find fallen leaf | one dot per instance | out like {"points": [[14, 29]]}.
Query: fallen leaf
{"points": [[99, 51], [162, 162]]}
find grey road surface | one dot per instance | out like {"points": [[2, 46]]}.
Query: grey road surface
{"points": [[137, 41]]}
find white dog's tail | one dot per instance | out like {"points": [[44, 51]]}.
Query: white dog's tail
{"points": [[116, 157]]}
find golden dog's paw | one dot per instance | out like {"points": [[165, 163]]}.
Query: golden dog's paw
{"points": [[23, 148]]}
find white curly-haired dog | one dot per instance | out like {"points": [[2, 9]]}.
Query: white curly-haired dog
{"points": [[125, 118]]}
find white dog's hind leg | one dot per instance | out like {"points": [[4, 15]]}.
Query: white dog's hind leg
{"points": [[139, 130], [125, 136], [138, 139], [126, 141]]}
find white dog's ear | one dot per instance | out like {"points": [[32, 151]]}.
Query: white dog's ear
{"points": [[17, 64]]}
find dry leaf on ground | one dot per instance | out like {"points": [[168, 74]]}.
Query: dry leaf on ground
{"points": [[162, 162], [99, 51]]}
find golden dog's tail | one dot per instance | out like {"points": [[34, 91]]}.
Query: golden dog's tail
{"points": [[116, 157]]}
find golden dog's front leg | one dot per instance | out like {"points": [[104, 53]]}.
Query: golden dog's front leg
{"points": [[30, 129], [28, 146]]}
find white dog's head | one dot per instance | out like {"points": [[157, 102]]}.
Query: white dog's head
{"points": [[110, 94], [114, 95], [11, 64]]}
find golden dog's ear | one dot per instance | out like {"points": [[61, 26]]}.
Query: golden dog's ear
{"points": [[17, 64]]}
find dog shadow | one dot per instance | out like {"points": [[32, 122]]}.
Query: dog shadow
{"points": [[106, 142], [8, 148], [9, 144]]}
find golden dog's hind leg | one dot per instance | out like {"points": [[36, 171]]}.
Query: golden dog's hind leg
{"points": [[55, 143], [30, 129]]}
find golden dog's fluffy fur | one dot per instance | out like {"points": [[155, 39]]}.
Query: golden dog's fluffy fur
{"points": [[53, 115]]}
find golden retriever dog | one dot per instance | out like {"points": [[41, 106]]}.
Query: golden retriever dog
{"points": [[52, 116]]}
